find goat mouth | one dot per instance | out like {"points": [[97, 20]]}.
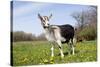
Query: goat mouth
{"points": [[45, 26]]}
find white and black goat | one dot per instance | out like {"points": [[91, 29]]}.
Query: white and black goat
{"points": [[58, 34]]}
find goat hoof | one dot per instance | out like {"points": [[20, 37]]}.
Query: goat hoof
{"points": [[62, 57], [51, 58]]}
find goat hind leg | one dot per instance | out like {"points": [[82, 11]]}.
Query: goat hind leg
{"points": [[73, 46]]}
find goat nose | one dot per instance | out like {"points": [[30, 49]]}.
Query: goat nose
{"points": [[48, 24]]}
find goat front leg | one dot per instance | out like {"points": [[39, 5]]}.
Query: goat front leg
{"points": [[60, 48], [52, 48], [52, 51]]}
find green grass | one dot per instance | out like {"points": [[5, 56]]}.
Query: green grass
{"points": [[38, 52]]}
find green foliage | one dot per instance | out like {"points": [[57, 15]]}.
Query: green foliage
{"points": [[38, 52], [88, 33], [86, 24]]}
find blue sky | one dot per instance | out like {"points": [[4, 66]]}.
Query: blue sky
{"points": [[25, 15]]}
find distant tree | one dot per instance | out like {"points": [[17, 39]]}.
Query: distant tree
{"points": [[41, 37], [86, 23], [22, 36]]}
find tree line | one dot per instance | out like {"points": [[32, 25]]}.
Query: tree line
{"points": [[23, 36], [86, 26], [85, 29]]}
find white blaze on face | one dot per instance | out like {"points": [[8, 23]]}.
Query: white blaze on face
{"points": [[45, 21]]}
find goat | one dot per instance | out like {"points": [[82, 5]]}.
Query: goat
{"points": [[58, 34]]}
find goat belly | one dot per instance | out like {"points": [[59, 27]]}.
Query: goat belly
{"points": [[65, 41], [67, 32]]}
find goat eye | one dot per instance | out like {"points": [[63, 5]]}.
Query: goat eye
{"points": [[43, 20]]}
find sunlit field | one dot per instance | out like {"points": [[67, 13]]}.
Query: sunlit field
{"points": [[38, 52]]}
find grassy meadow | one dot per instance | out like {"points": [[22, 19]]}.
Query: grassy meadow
{"points": [[38, 52]]}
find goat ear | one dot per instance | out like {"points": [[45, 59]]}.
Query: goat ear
{"points": [[50, 16], [39, 15]]}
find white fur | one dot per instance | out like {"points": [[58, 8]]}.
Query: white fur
{"points": [[53, 35], [52, 51]]}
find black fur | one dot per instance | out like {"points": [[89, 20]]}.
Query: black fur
{"points": [[67, 31]]}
